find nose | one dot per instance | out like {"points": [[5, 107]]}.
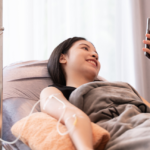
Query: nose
{"points": [[95, 55]]}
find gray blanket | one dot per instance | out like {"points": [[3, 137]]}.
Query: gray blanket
{"points": [[118, 108]]}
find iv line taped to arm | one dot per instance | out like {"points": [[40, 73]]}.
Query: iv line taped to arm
{"points": [[49, 97], [64, 106]]}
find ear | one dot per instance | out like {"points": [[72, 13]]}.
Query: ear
{"points": [[62, 59]]}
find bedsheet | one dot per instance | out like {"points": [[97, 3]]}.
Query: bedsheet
{"points": [[118, 108]]}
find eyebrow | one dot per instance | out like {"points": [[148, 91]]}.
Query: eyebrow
{"points": [[87, 46]]}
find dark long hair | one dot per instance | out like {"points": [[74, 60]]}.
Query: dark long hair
{"points": [[55, 70]]}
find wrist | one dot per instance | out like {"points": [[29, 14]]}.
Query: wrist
{"points": [[70, 113]]}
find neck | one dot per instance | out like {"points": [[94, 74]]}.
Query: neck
{"points": [[76, 80]]}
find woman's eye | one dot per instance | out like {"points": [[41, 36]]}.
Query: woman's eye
{"points": [[85, 47]]}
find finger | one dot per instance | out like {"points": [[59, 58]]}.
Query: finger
{"points": [[146, 42], [147, 35], [146, 50]]}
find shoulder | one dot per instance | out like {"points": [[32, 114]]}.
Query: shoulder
{"points": [[49, 90]]}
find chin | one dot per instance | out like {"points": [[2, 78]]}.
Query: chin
{"points": [[91, 74], [89, 71]]}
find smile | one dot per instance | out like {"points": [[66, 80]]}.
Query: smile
{"points": [[92, 63]]}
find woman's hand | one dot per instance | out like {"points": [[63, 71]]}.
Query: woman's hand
{"points": [[146, 42]]}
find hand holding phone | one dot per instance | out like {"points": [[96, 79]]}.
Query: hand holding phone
{"points": [[147, 32]]}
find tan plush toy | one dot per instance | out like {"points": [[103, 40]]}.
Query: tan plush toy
{"points": [[40, 133]]}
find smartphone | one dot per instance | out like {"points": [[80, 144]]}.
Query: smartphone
{"points": [[147, 32]]}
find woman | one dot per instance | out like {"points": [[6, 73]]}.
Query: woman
{"points": [[72, 63]]}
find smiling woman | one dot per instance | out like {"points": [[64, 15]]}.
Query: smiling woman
{"points": [[70, 64], [73, 63]]}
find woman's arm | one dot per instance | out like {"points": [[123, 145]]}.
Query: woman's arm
{"points": [[81, 135], [146, 102]]}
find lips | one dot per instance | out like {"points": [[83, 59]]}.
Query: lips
{"points": [[92, 64]]}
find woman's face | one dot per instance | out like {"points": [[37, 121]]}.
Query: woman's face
{"points": [[79, 54]]}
